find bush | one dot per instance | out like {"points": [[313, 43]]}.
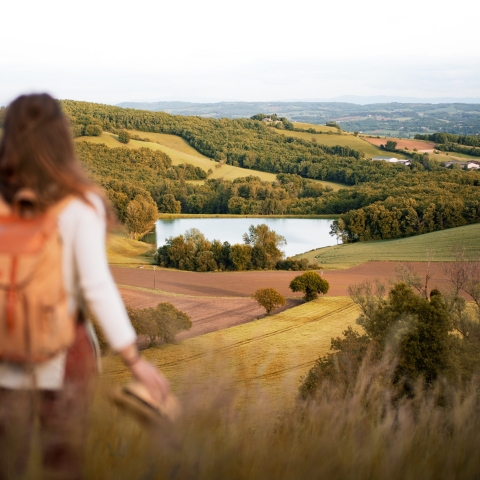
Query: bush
{"points": [[311, 283], [292, 264], [93, 130], [269, 299], [159, 324], [123, 136]]}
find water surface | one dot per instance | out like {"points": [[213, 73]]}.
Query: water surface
{"points": [[302, 234]]}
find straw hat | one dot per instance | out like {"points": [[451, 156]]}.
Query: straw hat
{"points": [[136, 399]]}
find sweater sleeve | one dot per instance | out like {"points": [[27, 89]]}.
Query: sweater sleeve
{"points": [[95, 280]]}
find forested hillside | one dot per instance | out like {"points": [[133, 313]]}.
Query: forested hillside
{"points": [[384, 200]]}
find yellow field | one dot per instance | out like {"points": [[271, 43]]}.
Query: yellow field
{"points": [[123, 250], [318, 128], [270, 354], [180, 152], [346, 140]]}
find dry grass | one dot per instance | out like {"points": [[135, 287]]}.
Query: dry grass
{"points": [[123, 250], [268, 353], [345, 140], [228, 431], [180, 152], [318, 128]]}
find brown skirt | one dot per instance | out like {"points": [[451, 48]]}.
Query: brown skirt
{"points": [[63, 418]]}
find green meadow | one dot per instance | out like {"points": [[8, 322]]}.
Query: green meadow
{"points": [[437, 245]]}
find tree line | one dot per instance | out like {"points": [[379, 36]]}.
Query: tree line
{"points": [[260, 250], [443, 137], [384, 200]]}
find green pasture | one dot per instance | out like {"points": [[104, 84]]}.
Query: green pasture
{"points": [[345, 140], [436, 246]]}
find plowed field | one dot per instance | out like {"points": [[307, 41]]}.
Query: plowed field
{"points": [[420, 145], [219, 300]]}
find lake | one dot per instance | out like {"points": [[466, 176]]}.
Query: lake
{"points": [[302, 234]]}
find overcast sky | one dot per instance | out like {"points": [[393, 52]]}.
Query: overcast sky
{"points": [[262, 50]]}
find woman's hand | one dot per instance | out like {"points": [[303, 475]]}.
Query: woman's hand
{"points": [[146, 373], [152, 378]]}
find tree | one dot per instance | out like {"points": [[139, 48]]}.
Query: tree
{"points": [[266, 243], [337, 229], [123, 136], [391, 146], [141, 216], [159, 324], [269, 299], [93, 130], [311, 283], [241, 256], [168, 204]]}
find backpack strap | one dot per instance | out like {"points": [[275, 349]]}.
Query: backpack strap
{"points": [[5, 209]]}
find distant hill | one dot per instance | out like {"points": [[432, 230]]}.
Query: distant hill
{"points": [[377, 115]]}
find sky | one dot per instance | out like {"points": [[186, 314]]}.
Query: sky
{"points": [[210, 50]]}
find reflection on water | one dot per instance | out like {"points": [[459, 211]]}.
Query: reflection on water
{"points": [[302, 234]]}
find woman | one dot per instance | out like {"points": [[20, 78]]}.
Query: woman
{"points": [[37, 154]]}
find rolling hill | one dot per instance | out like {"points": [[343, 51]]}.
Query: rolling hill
{"points": [[181, 152], [437, 245]]}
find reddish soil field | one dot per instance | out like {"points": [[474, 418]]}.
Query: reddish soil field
{"points": [[420, 145], [243, 284], [220, 300], [208, 314]]}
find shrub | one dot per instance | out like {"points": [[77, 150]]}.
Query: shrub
{"points": [[123, 136], [159, 324], [93, 130], [292, 264], [311, 283], [269, 299]]}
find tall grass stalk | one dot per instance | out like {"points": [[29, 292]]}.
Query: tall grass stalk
{"points": [[229, 431]]}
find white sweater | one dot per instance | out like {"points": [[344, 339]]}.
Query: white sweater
{"points": [[85, 272]]}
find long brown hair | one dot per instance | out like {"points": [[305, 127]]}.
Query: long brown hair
{"points": [[36, 152]]}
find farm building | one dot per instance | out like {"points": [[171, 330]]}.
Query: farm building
{"points": [[471, 165], [392, 160]]}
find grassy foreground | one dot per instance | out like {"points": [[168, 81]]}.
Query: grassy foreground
{"points": [[241, 420], [411, 249], [270, 354]]}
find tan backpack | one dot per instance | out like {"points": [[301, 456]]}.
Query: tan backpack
{"points": [[35, 323]]}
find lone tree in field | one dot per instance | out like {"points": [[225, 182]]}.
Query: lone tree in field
{"points": [[311, 283], [123, 136], [269, 299], [159, 324]]}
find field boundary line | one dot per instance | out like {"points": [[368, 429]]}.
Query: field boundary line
{"points": [[254, 339]]}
